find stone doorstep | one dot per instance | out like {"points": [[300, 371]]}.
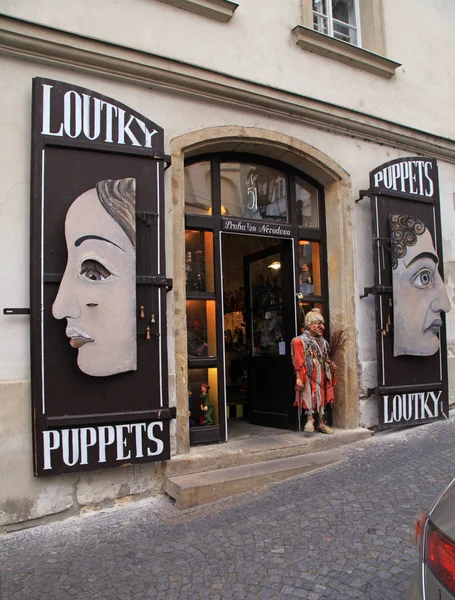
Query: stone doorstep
{"points": [[215, 471], [201, 488], [259, 449]]}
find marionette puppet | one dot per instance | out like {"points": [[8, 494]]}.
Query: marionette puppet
{"points": [[206, 406], [314, 371]]}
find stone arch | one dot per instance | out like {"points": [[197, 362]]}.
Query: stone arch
{"points": [[340, 247]]}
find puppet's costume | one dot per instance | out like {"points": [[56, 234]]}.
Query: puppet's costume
{"points": [[313, 367], [206, 406]]}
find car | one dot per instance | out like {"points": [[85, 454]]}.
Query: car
{"points": [[433, 532]]}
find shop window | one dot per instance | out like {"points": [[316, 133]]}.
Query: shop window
{"points": [[253, 192], [309, 268], [236, 360], [199, 265], [266, 316], [203, 397], [337, 18], [306, 306], [306, 197], [201, 328], [198, 197]]}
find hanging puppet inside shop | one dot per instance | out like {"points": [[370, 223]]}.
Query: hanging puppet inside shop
{"points": [[206, 406]]}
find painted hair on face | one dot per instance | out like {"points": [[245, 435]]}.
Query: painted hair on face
{"points": [[403, 232], [118, 198]]}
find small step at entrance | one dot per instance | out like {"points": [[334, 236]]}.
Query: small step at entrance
{"points": [[200, 488]]}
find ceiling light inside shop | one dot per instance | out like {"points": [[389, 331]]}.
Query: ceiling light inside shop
{"points": [[275, 265]]}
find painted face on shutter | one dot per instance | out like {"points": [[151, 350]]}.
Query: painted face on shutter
{"points": [[97, 295], [419, 294]]}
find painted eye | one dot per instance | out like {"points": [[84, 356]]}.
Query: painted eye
{"points": [[423, 278], [94, 271]]}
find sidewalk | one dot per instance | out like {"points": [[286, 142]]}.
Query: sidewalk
{"points": [[338, 533], [256, 456]]}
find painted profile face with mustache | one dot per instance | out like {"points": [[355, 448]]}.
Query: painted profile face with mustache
{"points": [[97, 295], [419, 294]]}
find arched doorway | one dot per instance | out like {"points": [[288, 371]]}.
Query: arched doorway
{"points": [[334, 183], [255, 263]]}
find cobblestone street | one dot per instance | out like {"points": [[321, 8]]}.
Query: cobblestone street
{"points": [[338, 533]]}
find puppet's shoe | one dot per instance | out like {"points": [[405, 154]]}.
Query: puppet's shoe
{"points": [[323, 428], [309, 426]]}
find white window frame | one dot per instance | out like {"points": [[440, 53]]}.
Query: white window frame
{"points": [[370, 56], [330, 21]]}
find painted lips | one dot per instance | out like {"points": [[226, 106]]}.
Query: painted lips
{"points": [[77, 337], [435, 326]]}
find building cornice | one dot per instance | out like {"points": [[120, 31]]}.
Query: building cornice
{"points": [[29, 41]]}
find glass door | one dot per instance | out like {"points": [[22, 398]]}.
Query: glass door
{"points": [[270, 324]]}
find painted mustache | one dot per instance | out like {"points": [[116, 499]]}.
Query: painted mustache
{"points": [[77, 337]]}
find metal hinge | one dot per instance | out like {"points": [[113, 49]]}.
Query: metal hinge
{"points": [[16, 311], [166, 158], [363, 194], [164, 413], [376, 290], [383, 240], [148, 218], [156, 280]]}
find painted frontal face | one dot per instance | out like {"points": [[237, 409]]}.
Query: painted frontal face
{"points": [[317, 328], [419, 299], [97, 294]]}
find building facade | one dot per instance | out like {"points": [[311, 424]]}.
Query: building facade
{"points": [[272, 115]]}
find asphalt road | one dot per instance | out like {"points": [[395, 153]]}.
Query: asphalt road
{"points": [[341, 532]]}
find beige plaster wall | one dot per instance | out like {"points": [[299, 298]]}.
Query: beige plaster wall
{"points": [[257, 44], [26, 498]]}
